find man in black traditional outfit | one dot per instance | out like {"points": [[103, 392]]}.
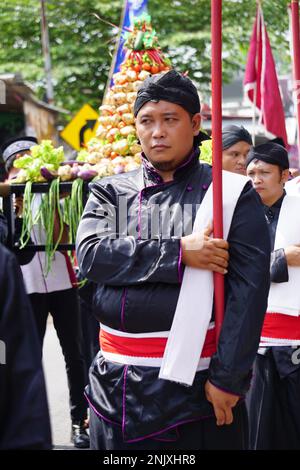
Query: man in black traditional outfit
{"points": [[139, 263], [273, 402]]}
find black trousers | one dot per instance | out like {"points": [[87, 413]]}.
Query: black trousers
{"points": [[200, 435], [274, 407], [64, 308], [90, 331]]}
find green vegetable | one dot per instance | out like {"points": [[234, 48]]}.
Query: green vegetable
{"points": [[49, 207], [73, 208], [118, 136], [41, 155], [23, 162], [27, 215], [76, 208], [206, 151], [131, 139], [82, 155], [55, 186], [139, 41]]}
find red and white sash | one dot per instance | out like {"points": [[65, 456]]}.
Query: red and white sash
{"points": [[280, 330], [194, 306], [146, 349]]}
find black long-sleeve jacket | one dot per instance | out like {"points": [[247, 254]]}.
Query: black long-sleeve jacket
{"points": [[139, 277]]}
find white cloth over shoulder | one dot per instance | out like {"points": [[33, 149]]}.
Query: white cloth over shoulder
{"points": [[284, 297], [194, 307], [292, 186]]}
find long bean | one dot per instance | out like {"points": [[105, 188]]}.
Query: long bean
{"points": [[27, 215], [76, 207], [44, 217], [60, 215], [54, 203]]}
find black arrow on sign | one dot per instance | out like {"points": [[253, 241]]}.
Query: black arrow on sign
{"points": [[89, 124]]}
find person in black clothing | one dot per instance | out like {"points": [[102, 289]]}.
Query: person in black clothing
{"points": [[89, 324], [138, 263], [9, 151], [3, 229], [24, 416], [54, 293], [273, 400]]}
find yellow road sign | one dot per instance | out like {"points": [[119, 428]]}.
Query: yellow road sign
{"points": [[82, 127]]}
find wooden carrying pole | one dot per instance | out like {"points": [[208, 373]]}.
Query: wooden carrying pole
{"points": [[216, 74]]}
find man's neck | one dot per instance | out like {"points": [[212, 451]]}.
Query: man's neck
{"points": [[166, 175], [169, 175], [270, 202]]}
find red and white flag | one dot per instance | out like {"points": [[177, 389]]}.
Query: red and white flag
{"points": [[260, 82]]}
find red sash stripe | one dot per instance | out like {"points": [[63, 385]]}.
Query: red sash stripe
{"points": [[147, 347], [280, 326]]}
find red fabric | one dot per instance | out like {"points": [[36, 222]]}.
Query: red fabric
{"points": [[264, 78], [279, 326], [71, 272], [147, 347]]}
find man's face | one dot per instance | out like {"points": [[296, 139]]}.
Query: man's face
{"points": [[166, 132], [13, 172], [268, 180], [234, 158]]}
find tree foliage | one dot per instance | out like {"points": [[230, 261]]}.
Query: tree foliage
{"points": [[82, 47]]}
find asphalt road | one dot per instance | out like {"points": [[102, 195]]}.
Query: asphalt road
{"points": [[57, 389]]}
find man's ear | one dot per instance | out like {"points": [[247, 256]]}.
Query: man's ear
{"points": [[196, 123], [285, 175]]}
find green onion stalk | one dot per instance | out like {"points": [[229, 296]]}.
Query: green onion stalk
{"points": [[73, 209], [76, 208], [49, 209], [28, 221]]}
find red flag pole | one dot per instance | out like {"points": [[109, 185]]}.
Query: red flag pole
{"points": [[296, 62], [216, 74]]}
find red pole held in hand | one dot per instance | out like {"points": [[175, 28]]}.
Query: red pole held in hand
{"points": [[296, 62], [216, 74]]}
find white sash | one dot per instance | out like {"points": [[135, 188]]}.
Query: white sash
{"points": [[292, 187], [194, 307], [284, 297]]}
